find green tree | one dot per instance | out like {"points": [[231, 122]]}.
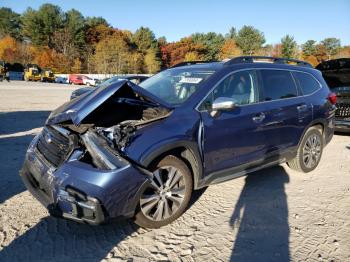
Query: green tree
{"points": [[162, 41], [289, 46], [212, 43], [332, 46], [9, 23], [92, 21], [309, 48], [39, 26], [144, 39], [75, 24], [250, 40], [232, 33]]}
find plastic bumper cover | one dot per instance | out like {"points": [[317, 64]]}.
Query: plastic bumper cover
{"points": [[80, 192]]}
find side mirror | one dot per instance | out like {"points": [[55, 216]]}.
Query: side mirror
{"points": [[222, 104]]}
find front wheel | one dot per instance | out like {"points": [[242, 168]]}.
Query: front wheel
{"points": [[167, 195], [309, 151]]}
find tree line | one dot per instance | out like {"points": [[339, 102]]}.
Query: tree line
{"points": [[68, 42]]}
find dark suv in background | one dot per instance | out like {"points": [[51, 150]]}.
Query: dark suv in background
{"points": [[126, 150], [337, 75]]}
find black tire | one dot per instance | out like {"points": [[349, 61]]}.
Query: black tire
{"points": [[299, 163], [175, 211]]}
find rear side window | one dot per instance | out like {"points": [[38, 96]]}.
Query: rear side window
{"points": [[278, 84], [307, 83]]}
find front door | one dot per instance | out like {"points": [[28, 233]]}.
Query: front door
{"points": [[233, 138]]}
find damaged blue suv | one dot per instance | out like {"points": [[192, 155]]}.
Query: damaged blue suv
{"points": [[139, 151]]}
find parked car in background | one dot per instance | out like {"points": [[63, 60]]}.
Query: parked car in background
{"points": [[135, 79], [337, 75], [61, 80], [75, 80], [139, 151], [90, 81]]}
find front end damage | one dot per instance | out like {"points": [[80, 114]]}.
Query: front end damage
{"points": [[76, 167]]}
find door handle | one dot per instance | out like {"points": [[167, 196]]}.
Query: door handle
{"points": [[301, 107], [259, 118]]}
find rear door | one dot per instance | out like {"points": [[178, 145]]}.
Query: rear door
{"points": [[285, 109]]}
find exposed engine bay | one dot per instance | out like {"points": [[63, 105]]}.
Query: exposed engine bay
{"points": [[112, 124]]}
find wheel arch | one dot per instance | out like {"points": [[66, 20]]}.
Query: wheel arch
{"points": [[319, 124], [186, 151]]}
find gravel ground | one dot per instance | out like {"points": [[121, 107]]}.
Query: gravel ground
{"points": [[272, 215]]}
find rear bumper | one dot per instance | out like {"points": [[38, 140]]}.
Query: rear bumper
{"points": [[80, 192]]}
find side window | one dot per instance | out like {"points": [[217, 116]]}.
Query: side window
{"points": [[306, 82], [278, 84], [241, 86]]}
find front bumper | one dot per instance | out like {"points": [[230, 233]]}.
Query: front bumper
{"points": [[81, 192]]}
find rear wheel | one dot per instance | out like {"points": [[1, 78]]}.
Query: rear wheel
{"points": [[309, 152], [167, 196]]}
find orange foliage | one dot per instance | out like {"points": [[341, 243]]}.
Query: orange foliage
{"points": [[8, 48], [229, 49], [174, 53], [312, 60], [49, 58]]}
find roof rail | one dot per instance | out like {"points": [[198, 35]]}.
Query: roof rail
{"points": [[267, 59], [187, 63]]}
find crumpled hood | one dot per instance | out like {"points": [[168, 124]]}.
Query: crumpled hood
{"points": [[78, 109]]}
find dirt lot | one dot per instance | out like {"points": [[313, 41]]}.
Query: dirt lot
{"points": [[271, 215]]}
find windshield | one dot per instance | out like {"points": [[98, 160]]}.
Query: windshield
{"points": [[175, 86]]}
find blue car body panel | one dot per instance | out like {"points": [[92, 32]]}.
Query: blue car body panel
{"points": [[216, 147]]}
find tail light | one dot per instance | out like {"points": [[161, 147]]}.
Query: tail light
{"points": [[332, 97]]}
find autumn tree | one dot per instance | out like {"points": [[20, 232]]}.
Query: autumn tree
{"points": [[8, 48], [266, 50], [152, 61], [288, 46], [229, 49], [312, 60], [112, 55], [174, 53], [192, 56], [321, 53], [136, 62], [9, 23], [331, 45], [344, 52], [162, 41], [250, 40]]}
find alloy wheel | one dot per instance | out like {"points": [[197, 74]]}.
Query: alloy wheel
{"points": [[312, 151], [165, 194]]}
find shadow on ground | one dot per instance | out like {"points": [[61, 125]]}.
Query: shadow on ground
{"points": [[261, 215], [13, 147], [54, 239]]}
